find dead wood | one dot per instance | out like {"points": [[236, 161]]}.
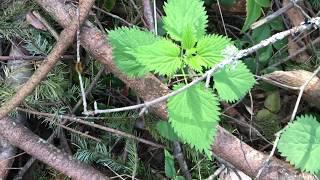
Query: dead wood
{"points": [[296, 79], [296, 17], [23, 138], [19, 72], [19, 136], [65, 39], [7, 151], [226, 146], [239, 8]]}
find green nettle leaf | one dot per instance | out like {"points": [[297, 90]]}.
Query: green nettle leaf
{"points": [[233, 82], [124, 40], [208, 52], [299, 143], [195, 62], [188, 38], [263, 3], [194, 115], [181, 14], [165, 130], [162, 57], [169, 165], [253, 13]]}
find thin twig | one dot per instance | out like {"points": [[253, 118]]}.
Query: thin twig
{"points": [[294, 113], [273, 15], [46, 24], [89, 88], [148, 15], [113, 16], [229, 59], [83, 94], [221, 16], [277, 83], [33, 58], [51, 137], [155, 17], [80, 133], [92, 124], [12, 157], [217, 172], [65, 39], [300, 50]]}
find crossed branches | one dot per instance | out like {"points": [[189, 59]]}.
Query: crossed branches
{"points": [[103, 53]]}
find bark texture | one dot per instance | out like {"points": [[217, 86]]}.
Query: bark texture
{"points": [[294, 44], [23, 138], [296, 79], [19, 136], [65, 39], [226, 146]]}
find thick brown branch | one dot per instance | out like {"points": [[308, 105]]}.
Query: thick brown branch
{"points": [[226, 146], [66, 38], [23, 138]]}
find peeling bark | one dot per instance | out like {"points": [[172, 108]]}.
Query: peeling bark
{"points": [[226, 146]]}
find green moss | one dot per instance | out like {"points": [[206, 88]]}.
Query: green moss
{"points": [[268, 123]]}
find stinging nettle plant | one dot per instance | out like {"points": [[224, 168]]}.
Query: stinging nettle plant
{"points": [[299, 143], [187, 50]]}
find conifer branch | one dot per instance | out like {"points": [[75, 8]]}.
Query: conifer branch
{"points": [[66, 38]]}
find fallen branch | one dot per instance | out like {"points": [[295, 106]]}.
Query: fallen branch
{"points": [[302, 88], [66, 38], [296, 79], [115, 132], [225, 146], [32, 58], [177, 150], [23, 138]]}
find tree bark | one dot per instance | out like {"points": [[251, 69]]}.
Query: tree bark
{"points": [[23, 138], [296, 79], [226, 146]]}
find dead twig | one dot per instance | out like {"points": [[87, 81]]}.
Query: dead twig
{"points": [[293, 115], [47, 25], [148, 15], [274, 15], [66, 38], [51, 137], [92, 124], [33, 58], [225, 146], [23, 138]]}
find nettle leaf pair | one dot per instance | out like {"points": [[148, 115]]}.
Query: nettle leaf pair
{"points": [[194, 113]]}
